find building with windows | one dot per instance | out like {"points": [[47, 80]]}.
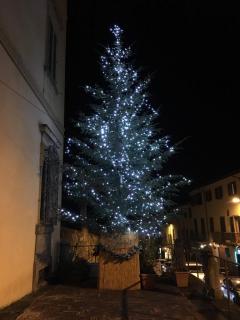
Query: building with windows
{"points": [[32, 85], [211, 217]]}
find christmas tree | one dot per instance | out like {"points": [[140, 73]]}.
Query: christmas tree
{"points": [[115, 162]]}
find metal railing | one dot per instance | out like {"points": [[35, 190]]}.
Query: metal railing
{"points": [[229, 277], [222, 237], [71, 253], [217, 237]]}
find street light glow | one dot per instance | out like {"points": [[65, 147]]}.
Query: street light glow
{"points": [[235, 200]]}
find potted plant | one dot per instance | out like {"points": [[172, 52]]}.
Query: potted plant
{"points": [[148, 258], [179, 264]]}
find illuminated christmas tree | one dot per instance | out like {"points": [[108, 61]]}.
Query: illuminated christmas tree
{"points": [[116, 161]]}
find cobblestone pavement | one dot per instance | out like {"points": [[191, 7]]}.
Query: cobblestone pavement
{"points": [[67, 303]]}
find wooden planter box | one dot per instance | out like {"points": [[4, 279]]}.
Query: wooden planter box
{"points": [[119, 275], [182, 278]]}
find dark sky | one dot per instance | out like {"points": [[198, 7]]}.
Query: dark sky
{"points": [[191, 49]]}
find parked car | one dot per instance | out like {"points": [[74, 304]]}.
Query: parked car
{"points": [[234, 290]]}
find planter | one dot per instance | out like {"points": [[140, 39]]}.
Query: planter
{"points": [[115, 273], [148, 281], [182, 278]]}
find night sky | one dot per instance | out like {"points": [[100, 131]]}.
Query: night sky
{"points": [[191, 50]]}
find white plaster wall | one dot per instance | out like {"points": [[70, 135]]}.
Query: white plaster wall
{"points": [[25, 25], [21, 112]]}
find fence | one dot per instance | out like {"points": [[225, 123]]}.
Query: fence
{"points": [[227, 280], [78, 262]]}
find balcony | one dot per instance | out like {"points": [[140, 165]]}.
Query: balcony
{"points": [[223, 237], [197, 238], [218, 237]]}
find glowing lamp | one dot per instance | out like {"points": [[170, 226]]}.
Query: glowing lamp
{"points": [[235, 200]]}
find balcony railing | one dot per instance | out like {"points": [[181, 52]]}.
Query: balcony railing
{"points": [[218, 237], [223, 237]]}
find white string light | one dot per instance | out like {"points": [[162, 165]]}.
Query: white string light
{"points": [[117, 162]]}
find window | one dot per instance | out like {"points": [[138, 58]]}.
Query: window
{"points": [[203, 231], [238, 223], [219, 192], [195, 226], [51, 52], [222, 224], [43, 192], [232, 188], [208, 195], [232, 225], [174, 234], [228, 255], [189, 213], [196, 199], [211, 223], [191, 234], [49, 186]]}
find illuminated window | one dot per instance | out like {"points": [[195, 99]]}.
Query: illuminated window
{"points": [[51, 52], [237, 254], [238, 222], [232, 188], [219, 192]]}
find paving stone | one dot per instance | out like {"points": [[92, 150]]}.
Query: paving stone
{"points": [[62, 302]]}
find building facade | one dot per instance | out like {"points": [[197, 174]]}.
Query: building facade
{"points": [[211, 217], [32, 84]]}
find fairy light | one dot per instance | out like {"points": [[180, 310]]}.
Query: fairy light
{"points": [[116, 166]]}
